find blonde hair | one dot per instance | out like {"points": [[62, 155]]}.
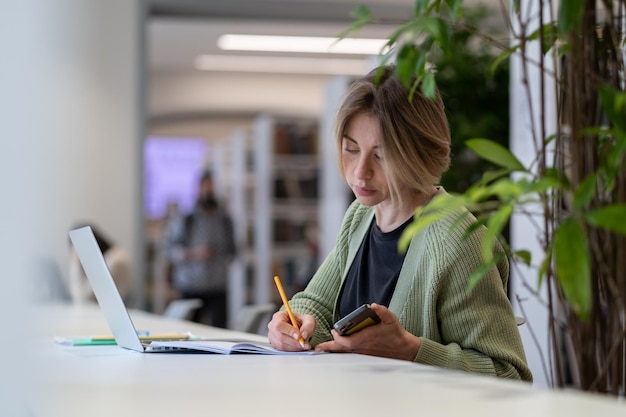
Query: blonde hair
{"points": [[415, 133]]}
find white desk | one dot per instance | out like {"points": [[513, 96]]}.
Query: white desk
{"points": [[110, 381]]}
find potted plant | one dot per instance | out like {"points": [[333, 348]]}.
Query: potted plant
{"points": [[576, 185]]}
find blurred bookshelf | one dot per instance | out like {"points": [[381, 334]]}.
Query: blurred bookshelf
{"points": [[285, 204], [284, 190]]}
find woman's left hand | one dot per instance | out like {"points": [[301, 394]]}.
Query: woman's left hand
{"points": [[386, 339]]}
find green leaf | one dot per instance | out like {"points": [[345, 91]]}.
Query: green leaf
{"points": [[420, 6], [444, 37], [421, 222], [496, 153], [362, 16], [614, 104], [495, 224], [428, 85], [549, 32], [432, 25], [439, 207], [524, 255], [470, 229], [505, 189], [585, 192], [558, 177], [501, 58], [550, 138], [570, 16], [515, 4], [543, 268], [573, 266], [455, 8], [361, 13], [540, 185], [399, 32], [611, 217], [406, 63], [491, 176], [478, 192], [615, 155], [480, 272]]}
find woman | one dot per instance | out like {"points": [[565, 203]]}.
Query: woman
{"points": [[393, 153]]}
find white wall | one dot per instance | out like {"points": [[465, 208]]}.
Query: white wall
{"points": [[70, 146], [81, 118]]}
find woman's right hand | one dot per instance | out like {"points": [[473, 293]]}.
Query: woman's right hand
{"points": [[284, 336]]}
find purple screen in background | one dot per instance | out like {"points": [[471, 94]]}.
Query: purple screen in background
{"points": [[172, 167]]}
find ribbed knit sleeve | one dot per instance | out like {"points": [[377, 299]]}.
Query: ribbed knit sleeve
{"points": [[473, 331]]}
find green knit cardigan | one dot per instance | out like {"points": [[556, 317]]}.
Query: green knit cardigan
{"points": [[469, 331]]}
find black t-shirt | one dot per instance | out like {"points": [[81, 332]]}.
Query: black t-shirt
{"points": [[374, 272]]}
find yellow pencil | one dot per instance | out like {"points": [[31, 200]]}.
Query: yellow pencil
{"points": [[291, 316]]}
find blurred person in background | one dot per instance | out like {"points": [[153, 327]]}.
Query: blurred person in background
{"points": [[199, 248]]}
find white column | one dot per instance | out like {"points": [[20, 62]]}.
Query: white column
{"points": [[70, 150], [524, 233]]}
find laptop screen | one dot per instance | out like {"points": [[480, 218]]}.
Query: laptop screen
{"points": [[104, 288]]}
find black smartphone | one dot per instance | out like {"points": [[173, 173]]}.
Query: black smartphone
{"points": [[357, 320]]}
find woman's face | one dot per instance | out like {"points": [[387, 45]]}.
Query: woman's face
{"points": [[362, 159]]}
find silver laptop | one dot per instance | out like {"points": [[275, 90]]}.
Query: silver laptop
{"points": [[106, 293]]}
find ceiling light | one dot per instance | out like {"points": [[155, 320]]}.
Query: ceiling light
{"points": [[283, 65], [302, 44]]}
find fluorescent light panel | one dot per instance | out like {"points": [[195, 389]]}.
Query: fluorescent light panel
{"points": [[302, 44], [282, 65]]}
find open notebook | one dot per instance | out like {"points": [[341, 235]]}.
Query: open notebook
{"points": [[223, 346], [119, 320]]}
